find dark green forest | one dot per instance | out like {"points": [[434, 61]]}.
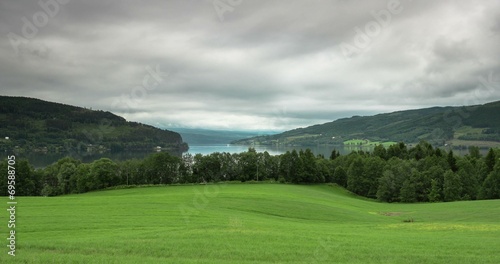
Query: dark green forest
{"points": [[436, 125], [40, 126], [396, 174]]}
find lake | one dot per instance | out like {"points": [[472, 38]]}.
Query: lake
{"points": [[40, 160], [273, 150], [207, 149]]}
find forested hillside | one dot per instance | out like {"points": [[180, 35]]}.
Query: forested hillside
{"points": [[437, 125], [28, 124]]}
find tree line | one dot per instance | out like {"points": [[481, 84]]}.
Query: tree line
{"points": [[394, 174]]}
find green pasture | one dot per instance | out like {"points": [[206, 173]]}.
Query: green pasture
{"points": [[249, 223], [368, 143], [356, 142]]}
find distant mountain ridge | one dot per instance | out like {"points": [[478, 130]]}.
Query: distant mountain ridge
{"points": [[194, 136], [29, 124], [470, 125]]}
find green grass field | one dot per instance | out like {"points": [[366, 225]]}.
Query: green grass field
{"points": [[249, 223], [368, 143], [356, 142]]}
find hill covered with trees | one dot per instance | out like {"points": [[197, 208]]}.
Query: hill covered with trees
{"points": [[476, 125], [28, 124]]}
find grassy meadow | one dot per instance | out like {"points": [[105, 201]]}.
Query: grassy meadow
{"points": [[250, 223], [368, 143]]}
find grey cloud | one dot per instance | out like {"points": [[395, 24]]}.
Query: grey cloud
{"points": [[268, 65], [453, 51]]}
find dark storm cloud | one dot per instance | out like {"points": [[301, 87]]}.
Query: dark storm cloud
{"points": [[257, 65]]}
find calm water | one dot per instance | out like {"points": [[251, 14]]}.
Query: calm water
{"points": [[40, 160], [207, 149], [323, 150]]}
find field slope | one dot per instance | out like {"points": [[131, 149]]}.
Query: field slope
{"points": [[250, 223]]}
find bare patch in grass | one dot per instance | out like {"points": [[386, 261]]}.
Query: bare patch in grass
{"points": [[409, 220]]}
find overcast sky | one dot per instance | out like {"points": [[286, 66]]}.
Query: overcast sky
{"points": [[251, 64]]}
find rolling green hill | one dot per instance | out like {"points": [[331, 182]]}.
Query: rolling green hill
{"points": [[36, 125], [471, 125], [250, 223]]}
